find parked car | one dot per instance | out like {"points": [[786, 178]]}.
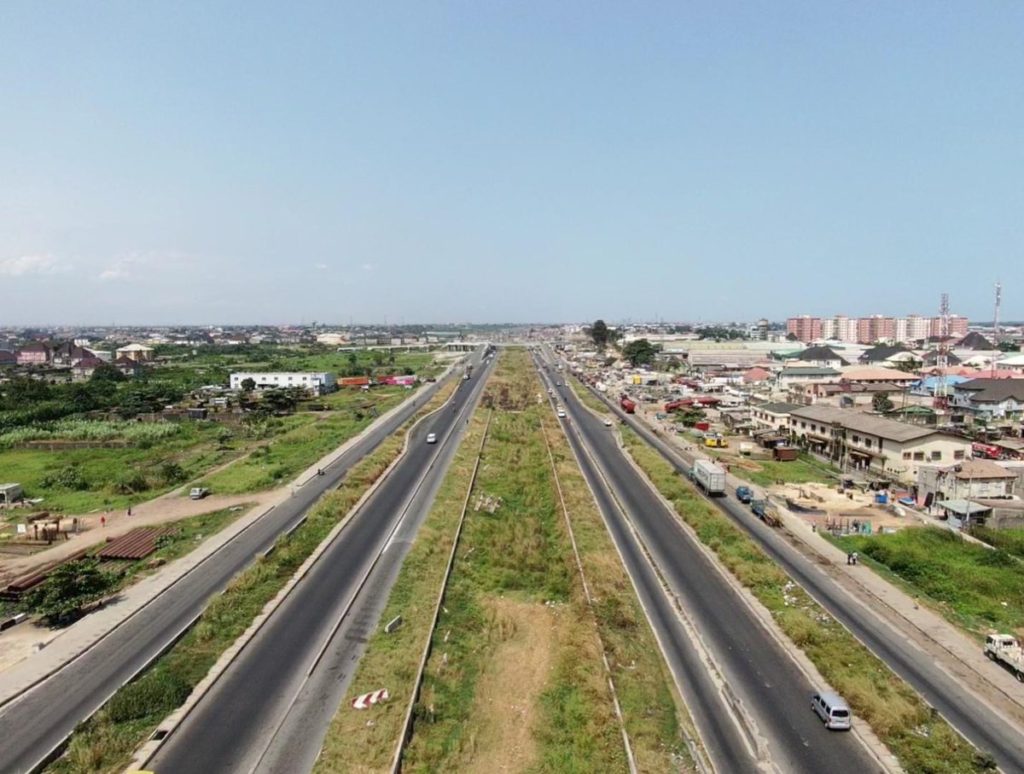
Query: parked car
{"points": [[198, 492], [431, 437], [744, 494], [833, 711]]}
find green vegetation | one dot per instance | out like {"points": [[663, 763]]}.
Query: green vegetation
{"points": [[75, 585], [1009, 540], [921, 741], [975, 587], [650, 707], [514, 618], [79, 480], [293, 451], [640, 352], [105, 742], [803, 470], [587, 397], [392, 659], [69, 589], [59, 442]]}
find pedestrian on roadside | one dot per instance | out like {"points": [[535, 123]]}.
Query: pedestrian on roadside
{"points": [[103, 521], [855, 558], [129, 510]]}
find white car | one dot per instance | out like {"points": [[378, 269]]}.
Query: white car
{"points": [[431, 437], [607, 422], [561, 413]]}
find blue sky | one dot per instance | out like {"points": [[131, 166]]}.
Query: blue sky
{"points": [[505, 161]]}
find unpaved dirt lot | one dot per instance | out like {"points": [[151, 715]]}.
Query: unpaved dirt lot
{"points": [[505, 707]]}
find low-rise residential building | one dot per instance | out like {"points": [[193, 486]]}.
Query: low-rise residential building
{"points": [[34, 353], [860, 441], [968, 480], [820, 357], [315, 382], [10, 493], [137, 352], [85, 367], [772, 416], [806, 374], [990, 398]]}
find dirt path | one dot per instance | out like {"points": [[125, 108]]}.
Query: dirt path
{"points": [[505, 706], [169, 507]]}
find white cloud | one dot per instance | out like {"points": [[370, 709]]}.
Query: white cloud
{"points": [[367, 267], [320, 266], [127, 266], [30, 264]]}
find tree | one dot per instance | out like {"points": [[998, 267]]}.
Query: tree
{"points": [[881, 403], [69, 588], [599, 333], [640, 352], [248, 384], [107, 373], [172, 473]]}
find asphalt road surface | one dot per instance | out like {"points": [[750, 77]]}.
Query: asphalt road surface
{"points": [[757, 670], [272, 707], [971, 716], [36, 724]]}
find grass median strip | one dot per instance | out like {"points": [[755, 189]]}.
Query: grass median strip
{"points": [[392, 660], [651, 708], [919, 738], [514, 680], [107, 740], [514, 672]]}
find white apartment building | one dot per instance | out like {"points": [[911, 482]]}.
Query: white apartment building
{"points": [[314, 382]]}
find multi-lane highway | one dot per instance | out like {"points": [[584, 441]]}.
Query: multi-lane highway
{"points": [[970, 715], [760, 675], [37, 723], [271, 708]]}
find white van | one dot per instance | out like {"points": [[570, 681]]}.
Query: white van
{"points": [[832, 710]]}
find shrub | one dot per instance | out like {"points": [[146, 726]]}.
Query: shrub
{"points": [[69, 477], [156, 693]]}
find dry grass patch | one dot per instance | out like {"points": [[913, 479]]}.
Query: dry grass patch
{"points": [[652, 709]]}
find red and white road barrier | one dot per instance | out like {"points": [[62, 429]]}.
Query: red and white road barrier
{"points": [[369, 699]]}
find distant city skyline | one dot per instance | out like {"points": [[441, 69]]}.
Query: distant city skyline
{"points": [[175, 163]]}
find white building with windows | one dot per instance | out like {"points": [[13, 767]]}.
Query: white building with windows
{"points": [[314, 382]]}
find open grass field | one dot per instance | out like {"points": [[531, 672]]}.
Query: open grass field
{"points": [[290, 452], [104, 474], [213, 365], [1009, 540], [105, 742], [767, 472], [921, 741], [514, 678], [977, 589]]}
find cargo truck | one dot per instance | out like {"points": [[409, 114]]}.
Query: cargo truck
{"points": [[709, 477], [627, 405], [1005, 650]]}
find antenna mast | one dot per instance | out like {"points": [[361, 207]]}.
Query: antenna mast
{"points": [[942, 360], [995, 317]]}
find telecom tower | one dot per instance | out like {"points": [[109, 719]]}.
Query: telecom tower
{"points": [[995, 317], [942, 360]]}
